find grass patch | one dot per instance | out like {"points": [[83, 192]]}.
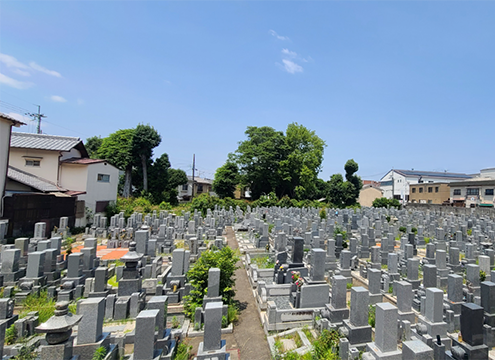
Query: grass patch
{"points": [[40, 303], [293, 336], [263, 262], [113, 281]]}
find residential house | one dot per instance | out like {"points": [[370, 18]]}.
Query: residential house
{"points": [[478, 191], [60, 164], [6, 124], [429, 193], [395, 183], [201, 186]]}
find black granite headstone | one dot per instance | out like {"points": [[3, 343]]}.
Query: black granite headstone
{"points": [[472, 324], [298, 250]]}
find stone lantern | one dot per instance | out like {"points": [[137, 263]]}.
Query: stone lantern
{"points": [[58, 330]]}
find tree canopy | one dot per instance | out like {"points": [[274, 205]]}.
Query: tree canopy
{"points": [[226, 179], [92, 145], [271, 161], [345, 193]]}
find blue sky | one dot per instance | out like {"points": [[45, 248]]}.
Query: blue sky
{"points": [[388, 83]]}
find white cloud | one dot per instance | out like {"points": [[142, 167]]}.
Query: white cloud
{"points": [[44, 70], [57, 98], [4, 79], [280, 37], [21, 72], [291, 67], [21, 69], [80, 102], [289, 53]]}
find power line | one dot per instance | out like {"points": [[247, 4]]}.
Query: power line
{"points": [[29, 102], [38, 116]]}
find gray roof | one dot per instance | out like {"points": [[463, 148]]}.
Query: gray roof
{"points": [[33, 181], [434, 174], [15, 122], [43, 142]]}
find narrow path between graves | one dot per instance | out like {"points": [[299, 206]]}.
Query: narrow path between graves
{"points": [[248, 339], [248, 332]]}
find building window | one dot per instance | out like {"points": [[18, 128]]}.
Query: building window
{"points": [[473, 191], [413, 190], [420, 189], [184, 187], [436, 188], [200, 188], [33, 163], [103, 178], [488, 191], [457, 191], [430, 189], [429, 201]]}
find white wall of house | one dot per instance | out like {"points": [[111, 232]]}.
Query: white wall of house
{"points": [[74, 176], [99, 190], [5, 129], [48, 167]]}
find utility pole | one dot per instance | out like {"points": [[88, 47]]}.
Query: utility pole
{"points": [[194, 165], [38, 116]]}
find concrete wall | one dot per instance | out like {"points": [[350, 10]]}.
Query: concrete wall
{"points": [[445, 209]]}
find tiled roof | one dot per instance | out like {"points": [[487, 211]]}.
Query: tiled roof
{"points": [[199, 180], [33, 181], [10, 118], [82, 161], [436, 174], [43, 142]]}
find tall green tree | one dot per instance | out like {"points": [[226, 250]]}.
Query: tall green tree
{"points": [[226, 180], [303, 161], [145, 139], [258, 159], [92, 145], [117, 148], [345, 193]]}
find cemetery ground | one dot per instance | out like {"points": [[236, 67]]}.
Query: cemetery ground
{"points": [[345, 284], [248, 340]]}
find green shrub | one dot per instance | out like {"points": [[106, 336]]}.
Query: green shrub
{"points": [[232, 314], [100, 353], [349, 285], [371, 315], [482, 276], [403, 229], [263, 262], [183, 351], [175, 322], [225, 322], [10, 335], [42, 304], [226, 260]]}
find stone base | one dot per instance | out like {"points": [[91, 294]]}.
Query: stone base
{"points": [[415, 283], [86, 351], [409, 316], [77, 281], [220, 354], [10, 279], [157, 355], [478, 352], [60, 351], [375, 298], [39, 281], [99, 294], [358, 336], [379, 355], [337, 316]]}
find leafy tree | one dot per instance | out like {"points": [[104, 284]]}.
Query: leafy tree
{"points": [[303, 161], [176, 177], [117, 149], [226, 260], [258, 159], [92, 145], [345, 193], [383, 202], [145, 139], [226, 179], [287, 164]]}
